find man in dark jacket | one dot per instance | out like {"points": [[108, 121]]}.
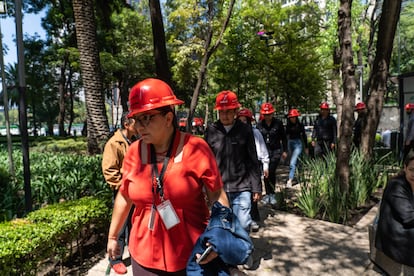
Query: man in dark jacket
{"points": [[395, 232], [233, 145], [324, 132], [274, 135]]}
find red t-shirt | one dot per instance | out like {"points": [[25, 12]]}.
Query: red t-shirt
{"points": [[191, 167]]}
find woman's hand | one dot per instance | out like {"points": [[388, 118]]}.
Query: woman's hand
{"points": [[212, 255], [112, 248]]}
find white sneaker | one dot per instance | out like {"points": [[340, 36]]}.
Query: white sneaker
{"points": [[289, 183], [272, 199]]}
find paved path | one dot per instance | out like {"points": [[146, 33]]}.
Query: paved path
{"points": [[287, 244]]}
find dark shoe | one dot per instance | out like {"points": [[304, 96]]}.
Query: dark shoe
{"points": [[249, 263], [119, 268]]}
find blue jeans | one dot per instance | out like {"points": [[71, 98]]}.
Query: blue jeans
{"points": [[241, 204], [295, 149]]}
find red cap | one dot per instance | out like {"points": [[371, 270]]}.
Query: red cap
{"points": [[293, 113], [409, 106], [324, 105], [150, 94], [226, 100], [245, 112], [267, 108], [360, 106]]}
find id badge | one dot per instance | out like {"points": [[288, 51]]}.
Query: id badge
{"points": [[168, 215]]}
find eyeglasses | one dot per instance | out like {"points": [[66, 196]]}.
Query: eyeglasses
{"points": [[145, 120]]}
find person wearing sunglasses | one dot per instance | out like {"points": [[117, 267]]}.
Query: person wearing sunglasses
{"points": [[167, 175]]}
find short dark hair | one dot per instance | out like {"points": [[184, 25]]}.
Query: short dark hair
{"points": [[125, 119]]}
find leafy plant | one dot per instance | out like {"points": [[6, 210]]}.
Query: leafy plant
{"points": [[309, 200], [54, 177], [50, 231], [321, 195]]}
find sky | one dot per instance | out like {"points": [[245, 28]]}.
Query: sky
{"points": [[31, 25]]}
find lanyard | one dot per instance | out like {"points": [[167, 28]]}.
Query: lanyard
{"points": [[158, 177]]}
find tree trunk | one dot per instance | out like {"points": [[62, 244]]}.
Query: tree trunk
{"points": [[97, 121], [378, 76], [349, 86], [207, 54], [160, 51]]}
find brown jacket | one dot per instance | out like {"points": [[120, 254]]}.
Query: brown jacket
{"points": [[112, 159]]}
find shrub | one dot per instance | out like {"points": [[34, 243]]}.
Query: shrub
{"points": [[321, 195], [54, 177], [24, 243]]}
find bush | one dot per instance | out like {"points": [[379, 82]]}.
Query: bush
{"points": [[24, 243], [54, 176], [320, 194]]}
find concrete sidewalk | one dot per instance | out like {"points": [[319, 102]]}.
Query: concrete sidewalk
{"points": [[287, 244]]}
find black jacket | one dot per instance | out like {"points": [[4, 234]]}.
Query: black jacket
{"points": [[274, 135], [296, 131], [395, 232], [236, 156], [324, 130]]}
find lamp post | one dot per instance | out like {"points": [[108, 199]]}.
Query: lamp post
{"points": [[3, 10], [266, 36], [22, 107]]}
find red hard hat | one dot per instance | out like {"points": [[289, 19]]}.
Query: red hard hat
{"points": [[183, 122], [267, 108], [150, 94], [324, 105], [293, 113], [409, 106], [246, 113], [198, 121], [360, 106], [226, 100]]}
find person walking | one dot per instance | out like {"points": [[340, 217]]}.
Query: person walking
{"points": [[112, 159], [409, 133], [395, 230], [233, 145], [246, 116], [297, 140], [274, 134], [167, 175], [324, 132], [360, 108]]}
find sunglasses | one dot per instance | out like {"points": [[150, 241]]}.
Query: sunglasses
{"points": [[145, 119]]}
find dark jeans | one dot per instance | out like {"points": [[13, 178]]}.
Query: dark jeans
{"points": [[270, 182], [254, 211], [123, 235], [322, 148]]}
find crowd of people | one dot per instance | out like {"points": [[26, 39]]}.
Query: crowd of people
{"points": [[190, 201]]}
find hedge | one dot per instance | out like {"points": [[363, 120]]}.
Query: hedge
{"points": [[49, 232]]}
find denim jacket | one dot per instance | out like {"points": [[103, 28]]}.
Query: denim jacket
{"points": [[229, 240]]}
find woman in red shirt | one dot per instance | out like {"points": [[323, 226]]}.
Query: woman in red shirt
{"points": [[167, 175]]}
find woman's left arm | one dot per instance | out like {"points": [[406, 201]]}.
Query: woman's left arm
{"points": [[219, 195]]}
